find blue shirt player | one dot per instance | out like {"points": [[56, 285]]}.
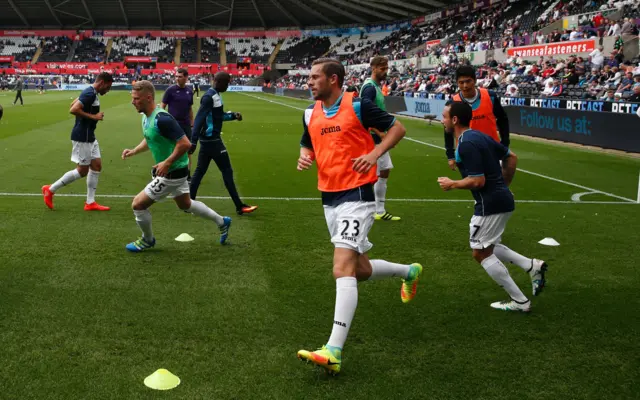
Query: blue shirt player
{"points": [[85, 149], [207, 129], [478, 158]]}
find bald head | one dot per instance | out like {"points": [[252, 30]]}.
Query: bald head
{"points": [[221, 81]]}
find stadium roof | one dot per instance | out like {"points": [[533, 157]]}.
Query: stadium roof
{"points": [[207, 14]]}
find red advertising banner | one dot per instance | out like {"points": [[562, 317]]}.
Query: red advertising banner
{"points": [[20, 33], [138, 59], [417, 21], [552, 49], [183, 34], [6, 59], [432, 43]]}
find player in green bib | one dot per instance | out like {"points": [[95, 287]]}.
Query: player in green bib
{"points": [[169, 146], [372, 90]]}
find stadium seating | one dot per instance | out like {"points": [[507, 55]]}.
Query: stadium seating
{"points": [[210, 50], [259, 49], [163, 48], [56, 49], [301, 51], [22, 48], [189, 50], [91, 49]]}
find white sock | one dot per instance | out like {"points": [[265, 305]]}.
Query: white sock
{"points": [[66, 179], [506, 255], [496, 270], [380, 190], [143, 219], [201, 210], [385, 269], [346, 303], [92, 185]]}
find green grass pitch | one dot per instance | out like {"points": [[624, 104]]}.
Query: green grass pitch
{"points": [[80, 318]]}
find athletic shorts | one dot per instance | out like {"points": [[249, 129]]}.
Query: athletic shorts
{"points": [[83, 152], [384, 163], [160, 188], [486, 231], [349, 225]]}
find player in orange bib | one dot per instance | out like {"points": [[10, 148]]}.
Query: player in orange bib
{"points": [[336, 135], [488, 115]]}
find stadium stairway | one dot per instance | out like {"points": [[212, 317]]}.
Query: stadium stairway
{"points": [[108, 49], [178, 50], [72, 51], [276, 50], [199, 50], [223, 52], [38, 52]]}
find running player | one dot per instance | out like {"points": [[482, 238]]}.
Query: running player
{"points": [[478, 158], [169, 146], [207, 129], [372, 90], [86, 151], [196, 87], [488, 115], [336, 136]]}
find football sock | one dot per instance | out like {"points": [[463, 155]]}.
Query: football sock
{"points": [[385, 269], [505, 255], [346, 303], [143, 219], [66, 179], [92, 185], [500, 274], [201, 210], [380, 191]]}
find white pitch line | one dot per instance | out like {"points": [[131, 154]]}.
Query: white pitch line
{"points": [[317, 199], [519, 169]]}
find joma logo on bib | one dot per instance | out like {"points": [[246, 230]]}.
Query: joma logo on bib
{"points": [[330, 129]]}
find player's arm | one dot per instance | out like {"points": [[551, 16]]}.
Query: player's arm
{"points": [[369, 92], [77, 108], [449, 145], [165, 100], [307, 155], [141, 148], [502, 120], [509, 165], [372, 116], [199, 123], [472, 159]]}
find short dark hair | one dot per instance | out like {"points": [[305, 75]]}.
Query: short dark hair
{"points": [[378, 61], [466, 71], [331, 66], [222, 77], [183, 71], [104, 77], [461, 110]]}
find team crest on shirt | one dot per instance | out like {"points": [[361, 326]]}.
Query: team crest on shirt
{"points": [[330, 129]]}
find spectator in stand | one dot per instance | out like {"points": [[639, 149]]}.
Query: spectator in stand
{"points": [[625, 84], [627, 27], [593, 90], [614, 30], [557, 88], [598, 19], [512, 91], [635, 97], [597, 58]]}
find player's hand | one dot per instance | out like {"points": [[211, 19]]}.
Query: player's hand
{"points": [[98, 117], [238, 116], [364, 163], [445, 183], [126, 153], [193, 148], [452, 164], [161, 169], [304, 162]]}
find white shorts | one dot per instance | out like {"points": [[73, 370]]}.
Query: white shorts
{"points": [[349, 225], [488, 230], [384, 162], [83, 152], [160, 188]]}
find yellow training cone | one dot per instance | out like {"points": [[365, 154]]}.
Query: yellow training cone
{"points": [[185, 237], [162, 380]]}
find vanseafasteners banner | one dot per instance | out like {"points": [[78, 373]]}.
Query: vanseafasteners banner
{"points": [[551, 49]]}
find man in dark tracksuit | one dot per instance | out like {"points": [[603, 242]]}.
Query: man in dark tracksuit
{"points": [[19, 86], [207, 128]]}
